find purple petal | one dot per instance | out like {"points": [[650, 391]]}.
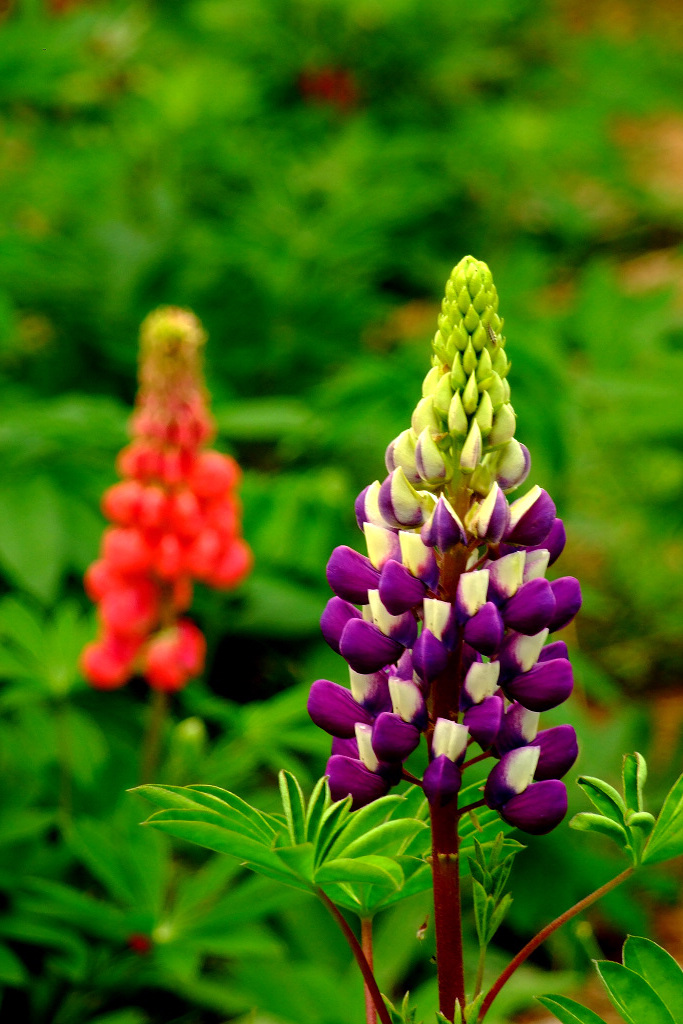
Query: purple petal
{"points": [[404, 666], [444, 529], [337, 613], [483, 720], [557, 649], [559, 751], [538, 809], [366, 648], [567, 592], [554, 541], [430, 656], [359, 508], [514, 464], [519, 653], [347, 775], [494, 516], [441, 781], [545, 686], [511, 775], [484, 631], [398, 589], [351, 575], [531, 520], [392, 738], [349, 748], [519, 727], [333, 708], [399, 503], [531, 609], [505, 575], [371, 691]]}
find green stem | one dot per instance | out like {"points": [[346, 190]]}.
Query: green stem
{"points": [[361, 959], [366, 943], [152, 742], [545, 932], [480, 972]]}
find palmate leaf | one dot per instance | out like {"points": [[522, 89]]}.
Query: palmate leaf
{"points": [[568, 1011], [631, 995], [666, 840], [659, 969]]}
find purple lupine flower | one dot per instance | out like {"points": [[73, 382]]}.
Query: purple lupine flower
{"points": [[451, 608]]}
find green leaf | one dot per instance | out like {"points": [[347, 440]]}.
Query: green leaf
{"points": [[634, 775], [196, 800], [472, 1009], [586, 821], [666, 840], [480, 909], [32, 539], [659, 969], [294, 806], [298, 859], [635, 1000], [568, 1011], [331, 824], [204, 828], [497, 917], [12, 970], [318, 803], [605, 797], [262, 821], [385, 838], [377, 870], [364, 820]]}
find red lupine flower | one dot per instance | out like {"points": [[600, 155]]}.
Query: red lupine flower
{"points": [[175, 518]]}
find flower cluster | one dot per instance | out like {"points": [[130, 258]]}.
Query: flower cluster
{"points": [[175, 517], [444, 623]]}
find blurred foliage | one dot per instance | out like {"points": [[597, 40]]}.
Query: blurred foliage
{"points": [[303, 174]]}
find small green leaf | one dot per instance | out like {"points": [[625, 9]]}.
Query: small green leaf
{"points": [[386, 838], [193, 800], [377, 870], [586, 821], [298, 859], [318, 803], [659, 969], [666, 840], [364, 820], [497, 916], [635, 1000], [634, 775], [472, 1009], [331, 824], [12, 970], [568, 1011], [480, 900], [294, 806], [605, 797]]}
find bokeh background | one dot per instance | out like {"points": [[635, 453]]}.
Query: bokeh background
{"points": [[303, 174]]}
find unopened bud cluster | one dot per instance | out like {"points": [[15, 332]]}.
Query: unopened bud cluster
{"points": [[453, 593], [175, 516]]}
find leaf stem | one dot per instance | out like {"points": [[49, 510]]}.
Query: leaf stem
{"points": [[479, 757], [366, 943], [480, 972], [361, 959], [470, 807], [545, 932], [152, 742]]}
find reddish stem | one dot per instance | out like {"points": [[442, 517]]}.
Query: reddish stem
{"points": [[366, 943], [479, 757], [545, 932], [361, 960], [446, 874], [470, 807]]}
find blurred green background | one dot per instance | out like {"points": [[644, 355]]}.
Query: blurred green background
{"points": [[303, 174]]}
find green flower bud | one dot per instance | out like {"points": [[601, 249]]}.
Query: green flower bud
{"points": [[470, 397], [443, 395], [469, 359], [402, 453], [458, 375], [484, 367], [504, 425], [425, 416], [471, 450], [496, 391], [479, 337], [440, 348], [457, 417], [501, 363], [482, 479], [506, 390], [430, 382], [430, 462], [471, 319], [484, 414], [458, 337]]}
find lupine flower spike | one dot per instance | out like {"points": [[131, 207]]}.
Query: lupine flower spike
{"points": [[175, 519], [444, 623]]}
